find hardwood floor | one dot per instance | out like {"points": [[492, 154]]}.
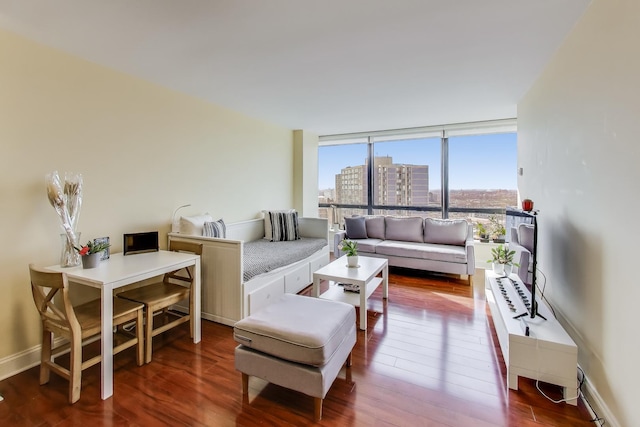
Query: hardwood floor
{"points": [[430, 357]]}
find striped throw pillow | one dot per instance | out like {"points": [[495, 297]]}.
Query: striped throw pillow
{"points": [[215, 229], [284, 226]]}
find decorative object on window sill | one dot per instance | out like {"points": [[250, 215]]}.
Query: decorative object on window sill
{"points": [[527, 205], [66, 201]]}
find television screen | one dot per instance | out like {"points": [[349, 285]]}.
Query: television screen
{"points": [[136, 243], [524, 226]]}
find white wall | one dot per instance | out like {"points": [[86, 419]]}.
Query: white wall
{"points": [[578, 142], [305, 173], [142, 150]]}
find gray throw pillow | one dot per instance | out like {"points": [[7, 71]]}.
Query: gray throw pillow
{"points": [[445, 231], [355, 228]]}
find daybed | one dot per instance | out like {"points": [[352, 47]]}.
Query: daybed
{"points": [[444, 246], [241, 272]]}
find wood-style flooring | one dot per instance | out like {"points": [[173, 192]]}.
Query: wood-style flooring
{"points": [[430, 357]]}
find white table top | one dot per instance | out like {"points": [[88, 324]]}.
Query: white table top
{"points": [[120, 270], [338, 270]]}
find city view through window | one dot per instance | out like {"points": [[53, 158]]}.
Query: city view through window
{"points": [[408, 180]]}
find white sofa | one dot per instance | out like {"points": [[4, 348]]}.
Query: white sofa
{"points": [[444, 246], [226, 296]]}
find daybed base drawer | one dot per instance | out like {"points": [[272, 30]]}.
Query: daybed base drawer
{"points": [[297, 280], [317, 263], [265, 295]]}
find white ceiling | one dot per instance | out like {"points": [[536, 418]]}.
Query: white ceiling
{"points": [[326, 66]]}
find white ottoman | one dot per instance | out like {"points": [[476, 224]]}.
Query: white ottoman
{"points": [[297, 342]]}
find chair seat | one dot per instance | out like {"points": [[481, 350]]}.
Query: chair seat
{"points": [[90, 320], [157, 293]]}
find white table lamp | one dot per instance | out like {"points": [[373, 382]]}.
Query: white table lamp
{"points": [[175, 225]]}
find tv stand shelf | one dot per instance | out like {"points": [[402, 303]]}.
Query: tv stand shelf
{"points": [[548, 354]]}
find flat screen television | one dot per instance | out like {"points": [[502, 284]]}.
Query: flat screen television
{"points": [[530, 218]]}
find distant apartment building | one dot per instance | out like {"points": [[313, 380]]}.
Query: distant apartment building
{"points": [[394, 184]]}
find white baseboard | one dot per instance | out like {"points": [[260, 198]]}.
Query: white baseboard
{"points": [[20, 362], [589, 393], [599, 406]]}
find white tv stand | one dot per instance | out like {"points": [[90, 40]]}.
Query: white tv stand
{"points": [[548, 354]]}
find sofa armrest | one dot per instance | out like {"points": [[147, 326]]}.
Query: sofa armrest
{"points": [[337, 238], [471, 253]]}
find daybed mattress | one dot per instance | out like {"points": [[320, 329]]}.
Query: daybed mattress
{"points": [[298, 328], [262, 256]]}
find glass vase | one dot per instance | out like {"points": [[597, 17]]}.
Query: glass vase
{"points": [[69, 257]]}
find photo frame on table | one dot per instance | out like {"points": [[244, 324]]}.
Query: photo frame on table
{"points": [[105, 254]]}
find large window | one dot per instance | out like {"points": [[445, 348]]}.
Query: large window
{"points": [[342, 180], [459, 171], [482, 176]]}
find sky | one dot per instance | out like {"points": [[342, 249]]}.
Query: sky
{"points": [[475, 162]]}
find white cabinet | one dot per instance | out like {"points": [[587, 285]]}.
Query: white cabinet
{"points": [[547, 354]]}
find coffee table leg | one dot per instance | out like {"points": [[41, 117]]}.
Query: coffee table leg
{"points": [[363, 308], [385, 282], [315, 291]]}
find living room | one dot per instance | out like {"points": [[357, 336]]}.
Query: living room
{"points": [[144, 149]]}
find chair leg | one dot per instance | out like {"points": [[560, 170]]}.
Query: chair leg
{"points": [[140, 337], [317, 408], [148, 335], [45, 356], [75, 368]]}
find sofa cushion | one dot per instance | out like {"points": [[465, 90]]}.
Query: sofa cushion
{"points": [[407, 229], [355, 227], [445, 231], [368, 245], [429, 251], [375, 227]]}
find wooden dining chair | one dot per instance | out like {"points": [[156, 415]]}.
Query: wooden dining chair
{"points": [[76, 324], [159, 297]]}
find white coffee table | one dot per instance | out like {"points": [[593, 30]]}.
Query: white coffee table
{"points": [[365, 276]]}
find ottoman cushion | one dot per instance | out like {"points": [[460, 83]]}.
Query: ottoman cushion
{"points": [[297, 328]]}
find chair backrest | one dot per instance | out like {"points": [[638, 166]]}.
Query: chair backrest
{"points": [[176, 246], [45, 286]]}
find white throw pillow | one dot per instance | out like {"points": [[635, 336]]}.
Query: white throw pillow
{"points": [[194, 225]]}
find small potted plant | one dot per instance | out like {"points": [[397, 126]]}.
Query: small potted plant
{"points": [[498, 231], [482, 232], [90, 253], [351, 249], [502, 259]]}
